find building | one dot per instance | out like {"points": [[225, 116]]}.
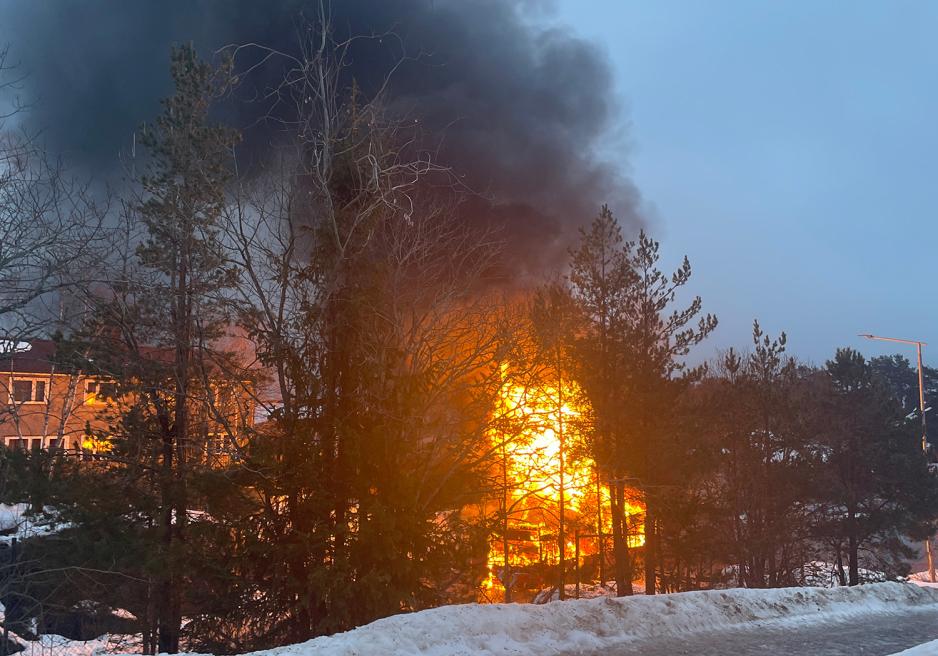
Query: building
{"points": [[50, 407]]}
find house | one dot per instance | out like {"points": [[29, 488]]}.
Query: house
{"points": [[44, 405]]}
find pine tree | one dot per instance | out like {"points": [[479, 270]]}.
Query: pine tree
{"points": [[760, 406], [600, 280], [154, 335], [901, 380], [877, 486], [656, 343]]}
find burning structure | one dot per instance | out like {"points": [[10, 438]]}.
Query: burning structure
{"points": [[553, 509]]}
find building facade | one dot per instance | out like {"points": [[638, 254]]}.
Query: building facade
{"points": [[45, 406]]}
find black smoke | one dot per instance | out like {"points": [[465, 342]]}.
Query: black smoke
{"points": [[522, 110]]}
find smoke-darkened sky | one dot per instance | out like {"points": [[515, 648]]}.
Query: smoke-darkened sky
{"points": [[788, 149], [521, 108]]}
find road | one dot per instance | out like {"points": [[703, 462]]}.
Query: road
{"points": [[874, 635]]}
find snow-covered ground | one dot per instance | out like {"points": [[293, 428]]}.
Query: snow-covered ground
{"points": [[587, 591], [578, 626], [825, 575], [922, 579], [596, 624], [17, 522], [56, 645], [927, 649], [50, 644]]}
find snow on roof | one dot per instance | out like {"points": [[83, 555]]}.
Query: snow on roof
{"points": [[13, 346], [596, 624], [33, 357]]}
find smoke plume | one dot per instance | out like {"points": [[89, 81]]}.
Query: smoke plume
{"points": [[522, 109]]}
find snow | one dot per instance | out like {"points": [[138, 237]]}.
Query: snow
{"points": [[50, 644], [56, 645], [925, 649], [922, 579], [587, 591], [822, 574], [16, 521], [8, 346], [601, 623]]}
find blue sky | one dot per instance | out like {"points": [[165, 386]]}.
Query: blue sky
{"points": [[789, 149]]}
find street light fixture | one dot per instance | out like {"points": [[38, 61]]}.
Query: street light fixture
{"points": [[921, 406]]}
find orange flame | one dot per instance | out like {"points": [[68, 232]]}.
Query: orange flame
{"points": [[540, 438]]}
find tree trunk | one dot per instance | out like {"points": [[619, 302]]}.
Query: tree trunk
{"points": [[560, 436], [853, 549], [841, 576], [506, 569], [651, 548], [167, 638], [620, 545]]}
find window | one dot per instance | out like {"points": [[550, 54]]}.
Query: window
{"points": [[28, 391], [32, 443], [97, 392]]}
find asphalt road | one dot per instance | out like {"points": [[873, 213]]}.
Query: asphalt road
{"points": [[875, 635]]}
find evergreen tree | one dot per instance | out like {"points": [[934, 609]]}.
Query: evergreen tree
{"points": [[901, 380], [600, 280], [765, 466], [154, 337], [184, 193], [656, 343], [877, 485]]}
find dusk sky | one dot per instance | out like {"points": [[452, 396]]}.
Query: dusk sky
{"points": [[789, 149]]}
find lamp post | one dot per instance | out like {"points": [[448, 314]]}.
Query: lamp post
{"points": [[921, 406]]}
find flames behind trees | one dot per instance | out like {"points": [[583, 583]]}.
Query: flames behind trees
{"points": [[539, 435]]}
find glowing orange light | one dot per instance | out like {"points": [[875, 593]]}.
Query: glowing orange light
{"points": [[541, 427]]}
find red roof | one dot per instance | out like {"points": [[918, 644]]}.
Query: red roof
{"points": [[37, 356], [15, 357]]}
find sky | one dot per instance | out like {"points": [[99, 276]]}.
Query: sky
{"points": [[786, 147], [789, 149], [477, 84]]}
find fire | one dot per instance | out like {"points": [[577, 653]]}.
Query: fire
{"points": [[540, 439], [548, 434]]}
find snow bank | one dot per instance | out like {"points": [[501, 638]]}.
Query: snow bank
{"points": [[925, 649], [595, 624]]}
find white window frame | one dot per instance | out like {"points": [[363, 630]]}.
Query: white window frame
{"points": [[29, 439], [32, 391]]}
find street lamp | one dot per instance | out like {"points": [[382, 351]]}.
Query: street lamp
{"points": [[921, 406]]}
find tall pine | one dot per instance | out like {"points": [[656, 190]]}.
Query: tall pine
{"points": [[600, 281]]}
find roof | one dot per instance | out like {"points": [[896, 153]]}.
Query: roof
{"points": [[38, 358]]}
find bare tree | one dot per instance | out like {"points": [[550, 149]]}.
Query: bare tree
{"points": [[365, 301], [50, 225]]}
